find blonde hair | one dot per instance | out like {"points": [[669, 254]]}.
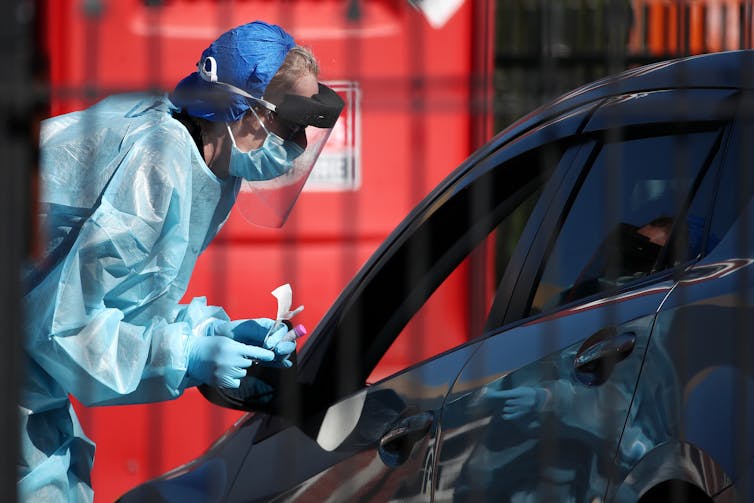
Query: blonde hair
{"points": [[297, 63]]}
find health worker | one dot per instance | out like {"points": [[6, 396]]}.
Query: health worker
{"points": [[132, 190]]}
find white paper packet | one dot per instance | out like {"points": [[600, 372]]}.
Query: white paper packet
{"points": [[284, 295]]}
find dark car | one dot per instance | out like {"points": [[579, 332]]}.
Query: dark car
{"points": [[615, 357]]}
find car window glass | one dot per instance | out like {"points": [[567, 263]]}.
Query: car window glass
{"points": [[622, 216], [736, 183], [690, 228], [689, 238]]}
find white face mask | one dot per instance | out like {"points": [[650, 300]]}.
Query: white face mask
{"points": [[273, 159]]}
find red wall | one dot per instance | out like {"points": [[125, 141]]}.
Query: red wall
{"points": [[414, 83]]}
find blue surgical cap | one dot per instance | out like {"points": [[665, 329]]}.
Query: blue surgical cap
{"points": [[247, 57]]}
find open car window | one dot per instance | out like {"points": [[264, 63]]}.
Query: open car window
{"points": [[450, 317]]}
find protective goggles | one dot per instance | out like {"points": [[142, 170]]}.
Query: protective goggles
{"points": [[321, 110]]}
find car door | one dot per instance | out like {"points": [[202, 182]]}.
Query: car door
{"points": [[700, 359], [538, 412]]}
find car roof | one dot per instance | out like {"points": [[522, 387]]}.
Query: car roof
{"points": [[722, 70]]}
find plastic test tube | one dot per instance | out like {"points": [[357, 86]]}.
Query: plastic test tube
{"points": [[294, 333]]}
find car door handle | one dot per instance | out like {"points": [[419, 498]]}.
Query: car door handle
{"points": [[595, 362], [396, 444], [616, 348]]}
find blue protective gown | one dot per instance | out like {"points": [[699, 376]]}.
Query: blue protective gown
{"points": [[127, 205]]}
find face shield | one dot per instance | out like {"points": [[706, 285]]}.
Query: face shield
{"points": [[268, 202]]}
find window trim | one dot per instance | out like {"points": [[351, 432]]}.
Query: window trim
{"points": [[506, 301]]}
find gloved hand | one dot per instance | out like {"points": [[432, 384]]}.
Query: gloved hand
{"points": [[517, 402], [520, 401], [255, 332], [222, 362]]}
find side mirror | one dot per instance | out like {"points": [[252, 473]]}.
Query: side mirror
{"points": [[262, 390]]}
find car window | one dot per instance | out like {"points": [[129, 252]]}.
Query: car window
{"points": [[417, 342], [736, 183], [623, 214]]}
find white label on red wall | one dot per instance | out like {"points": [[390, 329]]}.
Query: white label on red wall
{"points": [[338, 168], [437, 12]]}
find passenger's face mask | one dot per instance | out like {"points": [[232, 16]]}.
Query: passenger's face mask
{"points": [[273, 159]]}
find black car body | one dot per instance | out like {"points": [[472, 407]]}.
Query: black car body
{"points": [[613, 358]]}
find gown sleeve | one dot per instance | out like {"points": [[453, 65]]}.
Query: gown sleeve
{"points": [[104, 322]]}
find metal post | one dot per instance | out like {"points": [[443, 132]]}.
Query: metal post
{"points": [[17, 149]]}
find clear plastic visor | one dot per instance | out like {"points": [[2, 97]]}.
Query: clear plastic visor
{"points": [[269, 202]]}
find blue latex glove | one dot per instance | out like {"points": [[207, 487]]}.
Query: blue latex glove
{"points": [[255, 332], [517, 402], [222, 362], [520, 401]]}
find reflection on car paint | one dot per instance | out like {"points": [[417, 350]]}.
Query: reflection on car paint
{"points": [[714, 270], [697, 274], [537, 433], [651, 290]]}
